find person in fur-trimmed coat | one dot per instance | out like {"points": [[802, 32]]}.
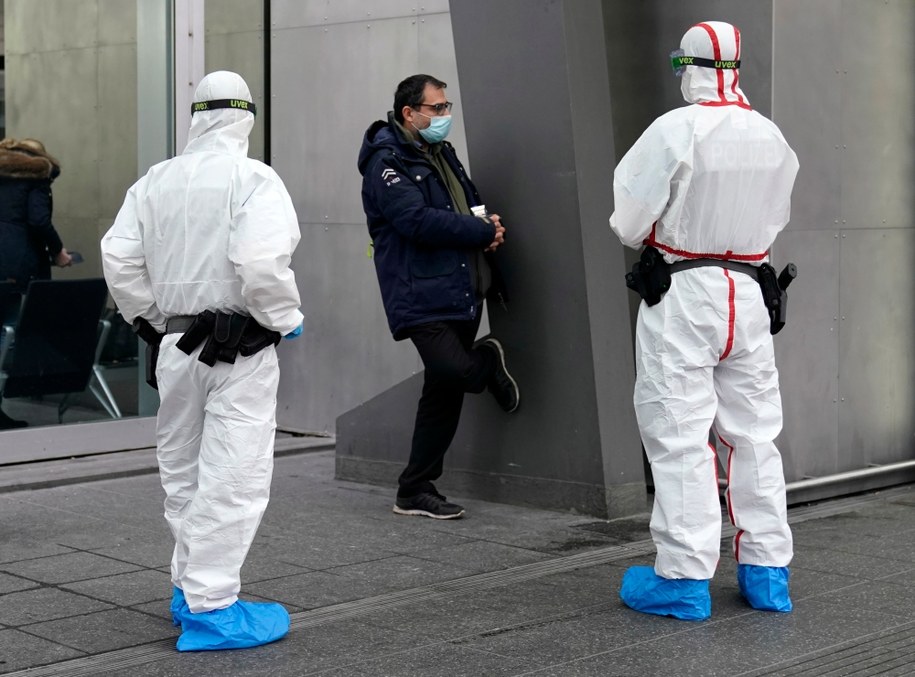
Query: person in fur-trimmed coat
{"points": [[29, 242]]}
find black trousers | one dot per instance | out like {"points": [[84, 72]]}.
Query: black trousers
{"points": [[453, 367]]}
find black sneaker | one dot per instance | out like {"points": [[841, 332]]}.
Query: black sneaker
{"points": [[428, 504], [502, 385]]}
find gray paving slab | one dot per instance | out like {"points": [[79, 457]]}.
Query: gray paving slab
{"points": [[442, 660], [564, 638], [27, 521], [627, 529], [259, 566], [865, 566], [16, 548], [100, 504], [74, 566], [44, 604], [9, 583], [313, 589], [478, 611], [105, 630], [333, 646], [158, 607], [408, 536], [146, 549], [480, 556], [725, 648], [126, 589], [890, 652], [20, 650], [880, 596], [401, 572], [314, 551], [883, 542], [807, 583]]}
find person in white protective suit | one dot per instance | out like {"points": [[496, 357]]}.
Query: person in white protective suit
{"points": [[212, 230], [709, 184]]}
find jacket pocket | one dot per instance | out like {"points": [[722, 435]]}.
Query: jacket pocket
{"points": [[434, 262]]}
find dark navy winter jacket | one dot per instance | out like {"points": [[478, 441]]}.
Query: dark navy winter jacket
{"points": [[27, 237], [422, 246]]}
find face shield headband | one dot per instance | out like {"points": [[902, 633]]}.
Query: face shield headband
{"points": [[235, 104], [679, 61]]}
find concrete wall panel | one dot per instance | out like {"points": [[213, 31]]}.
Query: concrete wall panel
{"points": [[877, 159], [876, 336], [806, 352], [298, 13]]}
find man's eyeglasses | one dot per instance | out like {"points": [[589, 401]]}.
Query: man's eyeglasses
{"points": [[439, 108]]}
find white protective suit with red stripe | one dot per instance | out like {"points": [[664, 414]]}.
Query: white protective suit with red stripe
{"points": [[709, 180], [210, 229]]}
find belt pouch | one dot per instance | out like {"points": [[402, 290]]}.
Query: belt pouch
{"points": [[232, 330], [200, 328], [219, 329], [256, 338]]}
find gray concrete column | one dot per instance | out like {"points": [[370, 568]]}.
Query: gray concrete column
{"points": [[536, 108]]}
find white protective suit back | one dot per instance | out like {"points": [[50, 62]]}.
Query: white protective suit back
{"points": [[210, 229], [712, 179]]}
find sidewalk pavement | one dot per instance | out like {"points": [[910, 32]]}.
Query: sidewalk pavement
{"points": [[84, 588]]}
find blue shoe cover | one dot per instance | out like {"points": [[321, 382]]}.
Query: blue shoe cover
{"points": [[765, 588], [240, 626], [684, 598], [178, 606]]}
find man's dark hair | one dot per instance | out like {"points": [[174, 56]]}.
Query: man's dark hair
{"points": [[410, 92]]}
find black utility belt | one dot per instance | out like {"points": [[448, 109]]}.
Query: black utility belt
{"points": [[650, 278], [746, 268], [224, 335]]}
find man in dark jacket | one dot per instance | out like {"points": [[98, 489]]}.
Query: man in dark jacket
{"points": [[433, 258]]}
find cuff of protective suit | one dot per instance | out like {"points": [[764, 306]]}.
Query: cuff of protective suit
{"points": [[158, 322], [290, 323]]}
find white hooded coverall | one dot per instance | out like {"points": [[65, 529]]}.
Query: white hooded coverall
{"points": [[210, 229], [709, 180]]}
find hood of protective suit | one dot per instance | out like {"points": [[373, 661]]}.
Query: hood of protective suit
{"points": [[221, 129], [718, 41]]}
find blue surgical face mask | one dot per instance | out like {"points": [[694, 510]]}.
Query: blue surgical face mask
{"points": [[438, 128]]}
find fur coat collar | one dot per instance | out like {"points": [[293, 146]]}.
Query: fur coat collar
{"points": [[22, 160]]}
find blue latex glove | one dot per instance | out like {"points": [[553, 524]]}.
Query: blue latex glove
{"points": [[294, 333]]}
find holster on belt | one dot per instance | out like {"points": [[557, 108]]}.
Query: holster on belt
{"points": [[775, 297], [650, 276], [143, 329], [224, 336]]}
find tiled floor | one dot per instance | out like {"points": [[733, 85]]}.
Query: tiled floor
{"points": [[84, 589]]}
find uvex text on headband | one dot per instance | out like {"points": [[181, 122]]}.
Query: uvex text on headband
{"points": [[237, 104], [679, 61]]}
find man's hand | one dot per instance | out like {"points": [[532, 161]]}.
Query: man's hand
{"points": [[63, 259], [500, 233]]}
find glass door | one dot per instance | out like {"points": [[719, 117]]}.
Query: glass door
{"points": [[85, 104]]}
